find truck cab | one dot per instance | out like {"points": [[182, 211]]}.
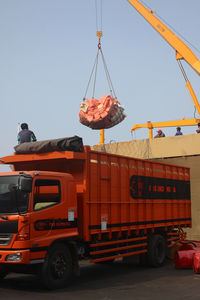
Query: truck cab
{"points": [[37, 208]]}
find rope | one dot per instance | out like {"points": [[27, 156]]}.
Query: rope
{"points": [[98, 24], [101, 14], [195, 110], [95, 66], [96, 59], [96, 15], [95, 76], [108, 75], [94, 71]]}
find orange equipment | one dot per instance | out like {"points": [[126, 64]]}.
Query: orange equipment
{"points": [[182, 52], [62, 206]]}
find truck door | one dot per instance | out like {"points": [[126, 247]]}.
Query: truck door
{"points": [[48, 210]]}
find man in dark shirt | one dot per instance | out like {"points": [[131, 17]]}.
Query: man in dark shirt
{"points": [[25, 135]]}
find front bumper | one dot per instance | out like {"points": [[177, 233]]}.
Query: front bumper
{"points": [[24, 256]]}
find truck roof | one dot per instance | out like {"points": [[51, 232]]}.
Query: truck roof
{"points": [[66, 155]]}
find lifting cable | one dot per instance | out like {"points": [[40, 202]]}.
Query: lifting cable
{"points": [[105, 112], [99, 51], [183, 38]]}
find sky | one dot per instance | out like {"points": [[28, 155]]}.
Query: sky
{"points": [[47, 52]]}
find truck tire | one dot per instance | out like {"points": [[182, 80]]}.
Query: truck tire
{"points": [[57, 267], [156, 250]]}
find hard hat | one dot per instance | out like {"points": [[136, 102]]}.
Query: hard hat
{"points": [[159, 130]]}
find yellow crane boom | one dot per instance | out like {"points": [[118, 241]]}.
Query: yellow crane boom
{"points": [[150, 125], [182, 51]]}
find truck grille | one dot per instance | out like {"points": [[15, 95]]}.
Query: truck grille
{"points": [[5, 239]]}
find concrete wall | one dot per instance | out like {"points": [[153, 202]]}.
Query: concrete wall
{"points": [[172, 146], [178, 150]]}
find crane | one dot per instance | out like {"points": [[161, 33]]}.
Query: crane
{"points": [[182, 52]]}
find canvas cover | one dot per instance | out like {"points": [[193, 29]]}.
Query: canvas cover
{"points": [[74, 143]]}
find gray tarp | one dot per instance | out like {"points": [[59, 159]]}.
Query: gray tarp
{"points": [[74, 143]]}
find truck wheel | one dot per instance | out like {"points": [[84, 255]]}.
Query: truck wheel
{"points": [[156, 250], [57, 267]]}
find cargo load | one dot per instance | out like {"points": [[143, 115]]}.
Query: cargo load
{"points": [[101, 114]]}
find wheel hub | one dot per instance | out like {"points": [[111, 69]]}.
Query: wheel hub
{"points": [[59, 266]]}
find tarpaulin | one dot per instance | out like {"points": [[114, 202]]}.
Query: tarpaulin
{"points": [[74, 143], [101, 114]]}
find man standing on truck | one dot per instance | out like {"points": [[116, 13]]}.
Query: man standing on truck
{"points": [[25, 135]]}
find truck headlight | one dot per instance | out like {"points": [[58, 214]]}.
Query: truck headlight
{"points": [[14, 257]]}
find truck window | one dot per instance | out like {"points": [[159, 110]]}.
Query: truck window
{"points": [[46, 193]]}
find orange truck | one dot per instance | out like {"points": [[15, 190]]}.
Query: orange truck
{"points": [[59, 207]]}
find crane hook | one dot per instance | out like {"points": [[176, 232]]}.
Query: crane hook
{"points": [[99, 35]]}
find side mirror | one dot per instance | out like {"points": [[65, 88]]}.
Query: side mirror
{"points": [[25, 184]]}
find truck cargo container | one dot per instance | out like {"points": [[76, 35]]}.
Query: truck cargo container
{"points": [[59, 207]]}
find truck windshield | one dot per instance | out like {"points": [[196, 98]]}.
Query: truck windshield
{"points": [[12, 200]]}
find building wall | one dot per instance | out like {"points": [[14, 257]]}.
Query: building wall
{"points": [[193, 162]]}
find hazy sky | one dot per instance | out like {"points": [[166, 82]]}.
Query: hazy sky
{"points": [[47, 50]]}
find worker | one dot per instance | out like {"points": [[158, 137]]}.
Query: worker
{"points": [[159, 134], [25, 135], [198, 129], [178, 131]]}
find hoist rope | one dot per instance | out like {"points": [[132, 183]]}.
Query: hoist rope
{"points": [[96, 59], [94, 71], [98, 25], [108, 75], [95, 66], [95, 75]]}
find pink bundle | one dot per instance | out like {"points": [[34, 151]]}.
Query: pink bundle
{"points": [[101, 114]]}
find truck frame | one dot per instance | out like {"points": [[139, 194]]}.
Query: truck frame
{"points": [[59, 207]]}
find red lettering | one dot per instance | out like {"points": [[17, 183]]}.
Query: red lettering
{"points": [[160, 188], [168, 189]]}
